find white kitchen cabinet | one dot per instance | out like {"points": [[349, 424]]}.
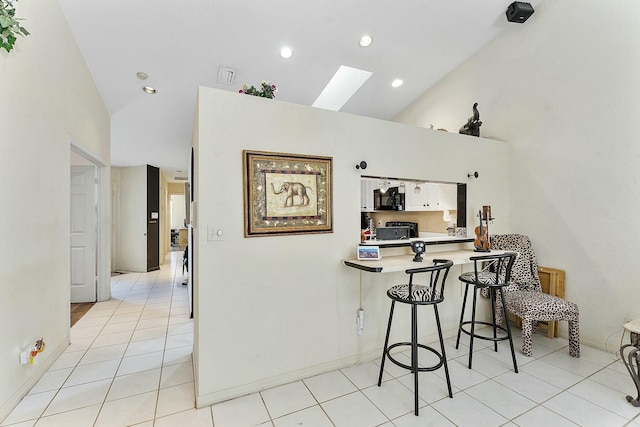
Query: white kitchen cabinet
{"points": [[432, 201], [415, 201], [425, 200], [366, 194], [449, 197], [432, 197]]}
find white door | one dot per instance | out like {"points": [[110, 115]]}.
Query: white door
{"points": [[83, 234], [114, 224]]}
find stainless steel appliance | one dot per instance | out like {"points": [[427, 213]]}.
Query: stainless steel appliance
{"points": [[392, 233], [391, 200], [413, 226]]}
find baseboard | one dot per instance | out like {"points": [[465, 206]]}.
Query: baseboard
{"points": [[209, 399]]}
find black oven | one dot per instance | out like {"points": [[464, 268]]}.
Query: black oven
{"points": [[390, 200]]}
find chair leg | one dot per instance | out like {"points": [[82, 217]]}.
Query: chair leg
{"points": [[386, 343], [492, 296], [498, 311], [527, 334], [464, 303], [473, 324], [574, 338], [414, 354], [444, 355], [508, 328]]}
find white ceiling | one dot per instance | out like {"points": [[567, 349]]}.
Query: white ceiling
{"points": [[182, 44]]}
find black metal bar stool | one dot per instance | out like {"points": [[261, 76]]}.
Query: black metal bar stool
{"points": [[491, 273], [414, 294]]}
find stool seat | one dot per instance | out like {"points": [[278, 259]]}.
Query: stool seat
{"points": [[416, 294], [483, 277]]}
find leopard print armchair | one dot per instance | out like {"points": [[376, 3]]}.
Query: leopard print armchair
{"points": [[524, 296]]}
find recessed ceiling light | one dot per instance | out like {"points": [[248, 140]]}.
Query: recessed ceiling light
{"points": [[365, 40], [142, 76], [397, 83], [286, 52], [148, 89]]}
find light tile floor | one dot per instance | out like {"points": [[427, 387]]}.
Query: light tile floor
{"points": [[130, 364]]}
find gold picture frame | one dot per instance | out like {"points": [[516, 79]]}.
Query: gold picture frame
{"points": [[286, 194]]}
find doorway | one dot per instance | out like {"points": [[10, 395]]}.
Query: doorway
{"points": [[153, 218], [90, 266], [177, 221]]}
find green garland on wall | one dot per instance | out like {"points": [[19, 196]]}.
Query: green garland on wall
{"points": [[10, 26]]}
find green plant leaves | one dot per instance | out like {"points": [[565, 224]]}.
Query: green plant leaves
{"points": [[9, 25], [267, 90], [6, 21]]}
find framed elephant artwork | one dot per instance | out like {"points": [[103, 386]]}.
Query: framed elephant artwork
{"points": [[286, 194]]}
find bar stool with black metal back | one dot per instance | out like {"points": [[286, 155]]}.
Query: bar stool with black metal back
{"points": [[493, 273], [414, 294]]}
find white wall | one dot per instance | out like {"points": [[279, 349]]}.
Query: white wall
{"points": [[47, 97], [563, 88], [132, 218], [274, 309], [178, 211]]}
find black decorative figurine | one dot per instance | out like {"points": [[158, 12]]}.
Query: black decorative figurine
{"points": [[472, 127], [418, 248]]}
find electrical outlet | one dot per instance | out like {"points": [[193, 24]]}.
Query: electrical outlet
{"points": [[360, 322]]}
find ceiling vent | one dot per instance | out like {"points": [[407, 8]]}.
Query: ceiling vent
{"points": [[226, 76], [181, 178]]}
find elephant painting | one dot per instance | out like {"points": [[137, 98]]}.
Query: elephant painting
{"points": [[293, 189]]}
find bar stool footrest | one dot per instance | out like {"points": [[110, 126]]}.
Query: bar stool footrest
{"points": [[499, 329], [410, 368]]}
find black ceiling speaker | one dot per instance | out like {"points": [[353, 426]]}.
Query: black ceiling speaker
{"points": [[519, 11]]}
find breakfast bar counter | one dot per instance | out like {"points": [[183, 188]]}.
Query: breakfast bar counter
{"points": [[389, 264]]}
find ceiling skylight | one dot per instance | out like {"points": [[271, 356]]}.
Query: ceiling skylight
{"points": [[344, 83]]}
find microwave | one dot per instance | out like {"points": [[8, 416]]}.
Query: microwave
{"points": [[390, 200]]}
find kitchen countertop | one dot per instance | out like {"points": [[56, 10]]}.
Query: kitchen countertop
{"points": [[390, 264], [431, 239]]}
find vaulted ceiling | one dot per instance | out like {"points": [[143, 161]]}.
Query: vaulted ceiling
{"points": [[182, 45]]}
